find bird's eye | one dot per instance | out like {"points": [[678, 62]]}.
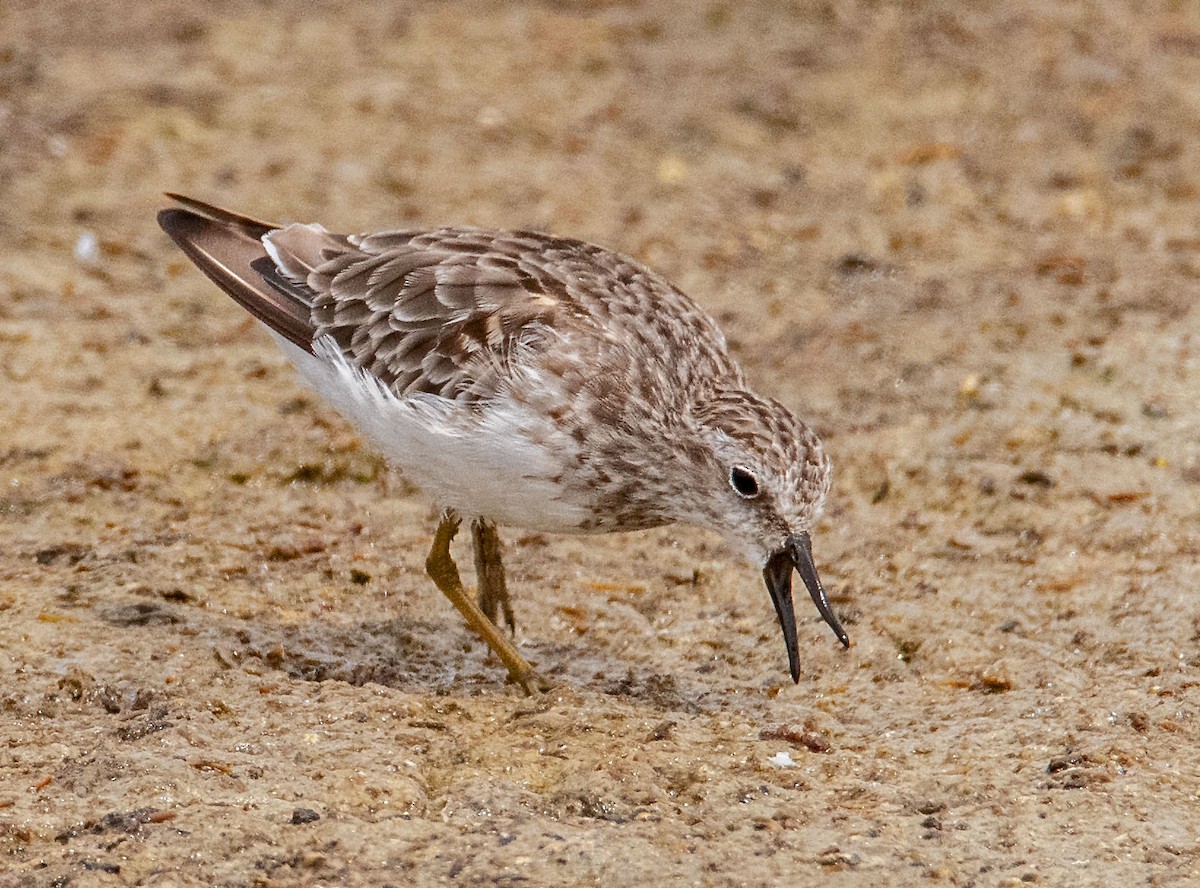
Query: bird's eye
{"points": [[743, 482]]}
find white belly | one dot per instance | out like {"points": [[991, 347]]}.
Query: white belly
{"points": [[483, 464]]}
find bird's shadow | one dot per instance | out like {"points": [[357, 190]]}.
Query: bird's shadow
{"points": [[405, 654]]}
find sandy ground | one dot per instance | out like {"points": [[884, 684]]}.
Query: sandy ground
{"points": [[961, 238]]}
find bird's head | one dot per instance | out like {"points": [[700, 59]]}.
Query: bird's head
{"points": [[762, 477]]}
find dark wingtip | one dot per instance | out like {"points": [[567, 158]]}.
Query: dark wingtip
{"points": [[247, 225], [228, 248], [172, 221]]}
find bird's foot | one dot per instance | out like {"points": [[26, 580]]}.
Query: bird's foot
{"points": [[489, 570], [444, 572]]}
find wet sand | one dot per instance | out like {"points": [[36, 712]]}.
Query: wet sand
{"points": [[961, 239]]}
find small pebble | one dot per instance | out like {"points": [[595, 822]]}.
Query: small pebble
{"points": [[304, 815]]}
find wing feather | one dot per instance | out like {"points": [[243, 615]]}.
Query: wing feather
{"points": [[449, 312], [228, 249]]}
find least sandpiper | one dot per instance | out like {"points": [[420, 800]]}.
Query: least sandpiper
{"points": [[529, 380]]}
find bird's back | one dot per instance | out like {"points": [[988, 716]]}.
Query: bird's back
{"points": [[458, 312], [453, 311]]}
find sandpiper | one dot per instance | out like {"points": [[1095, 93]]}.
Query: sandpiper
{"points": [[528, 380]]}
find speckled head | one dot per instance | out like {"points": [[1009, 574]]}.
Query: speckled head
{"points": [[765, 476]]}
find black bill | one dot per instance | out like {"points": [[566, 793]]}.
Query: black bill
{"points": [[797, 555]]}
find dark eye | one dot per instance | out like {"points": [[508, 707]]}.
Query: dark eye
{"points": [[744, 482]]}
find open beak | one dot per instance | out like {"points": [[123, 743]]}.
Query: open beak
{"points": [[797, 554]]}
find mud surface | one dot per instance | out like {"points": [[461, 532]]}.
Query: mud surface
{"points": [[960, 238]]}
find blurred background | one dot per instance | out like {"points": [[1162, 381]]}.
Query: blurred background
{"points": [[960, 238]]}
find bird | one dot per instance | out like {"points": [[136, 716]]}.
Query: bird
{"points": [[527, 380]]}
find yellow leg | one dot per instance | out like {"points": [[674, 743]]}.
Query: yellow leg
{"points": [[443, 571], [489, 570]]}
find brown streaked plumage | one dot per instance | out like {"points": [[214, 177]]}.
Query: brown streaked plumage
{"points": [[532, 380]]}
